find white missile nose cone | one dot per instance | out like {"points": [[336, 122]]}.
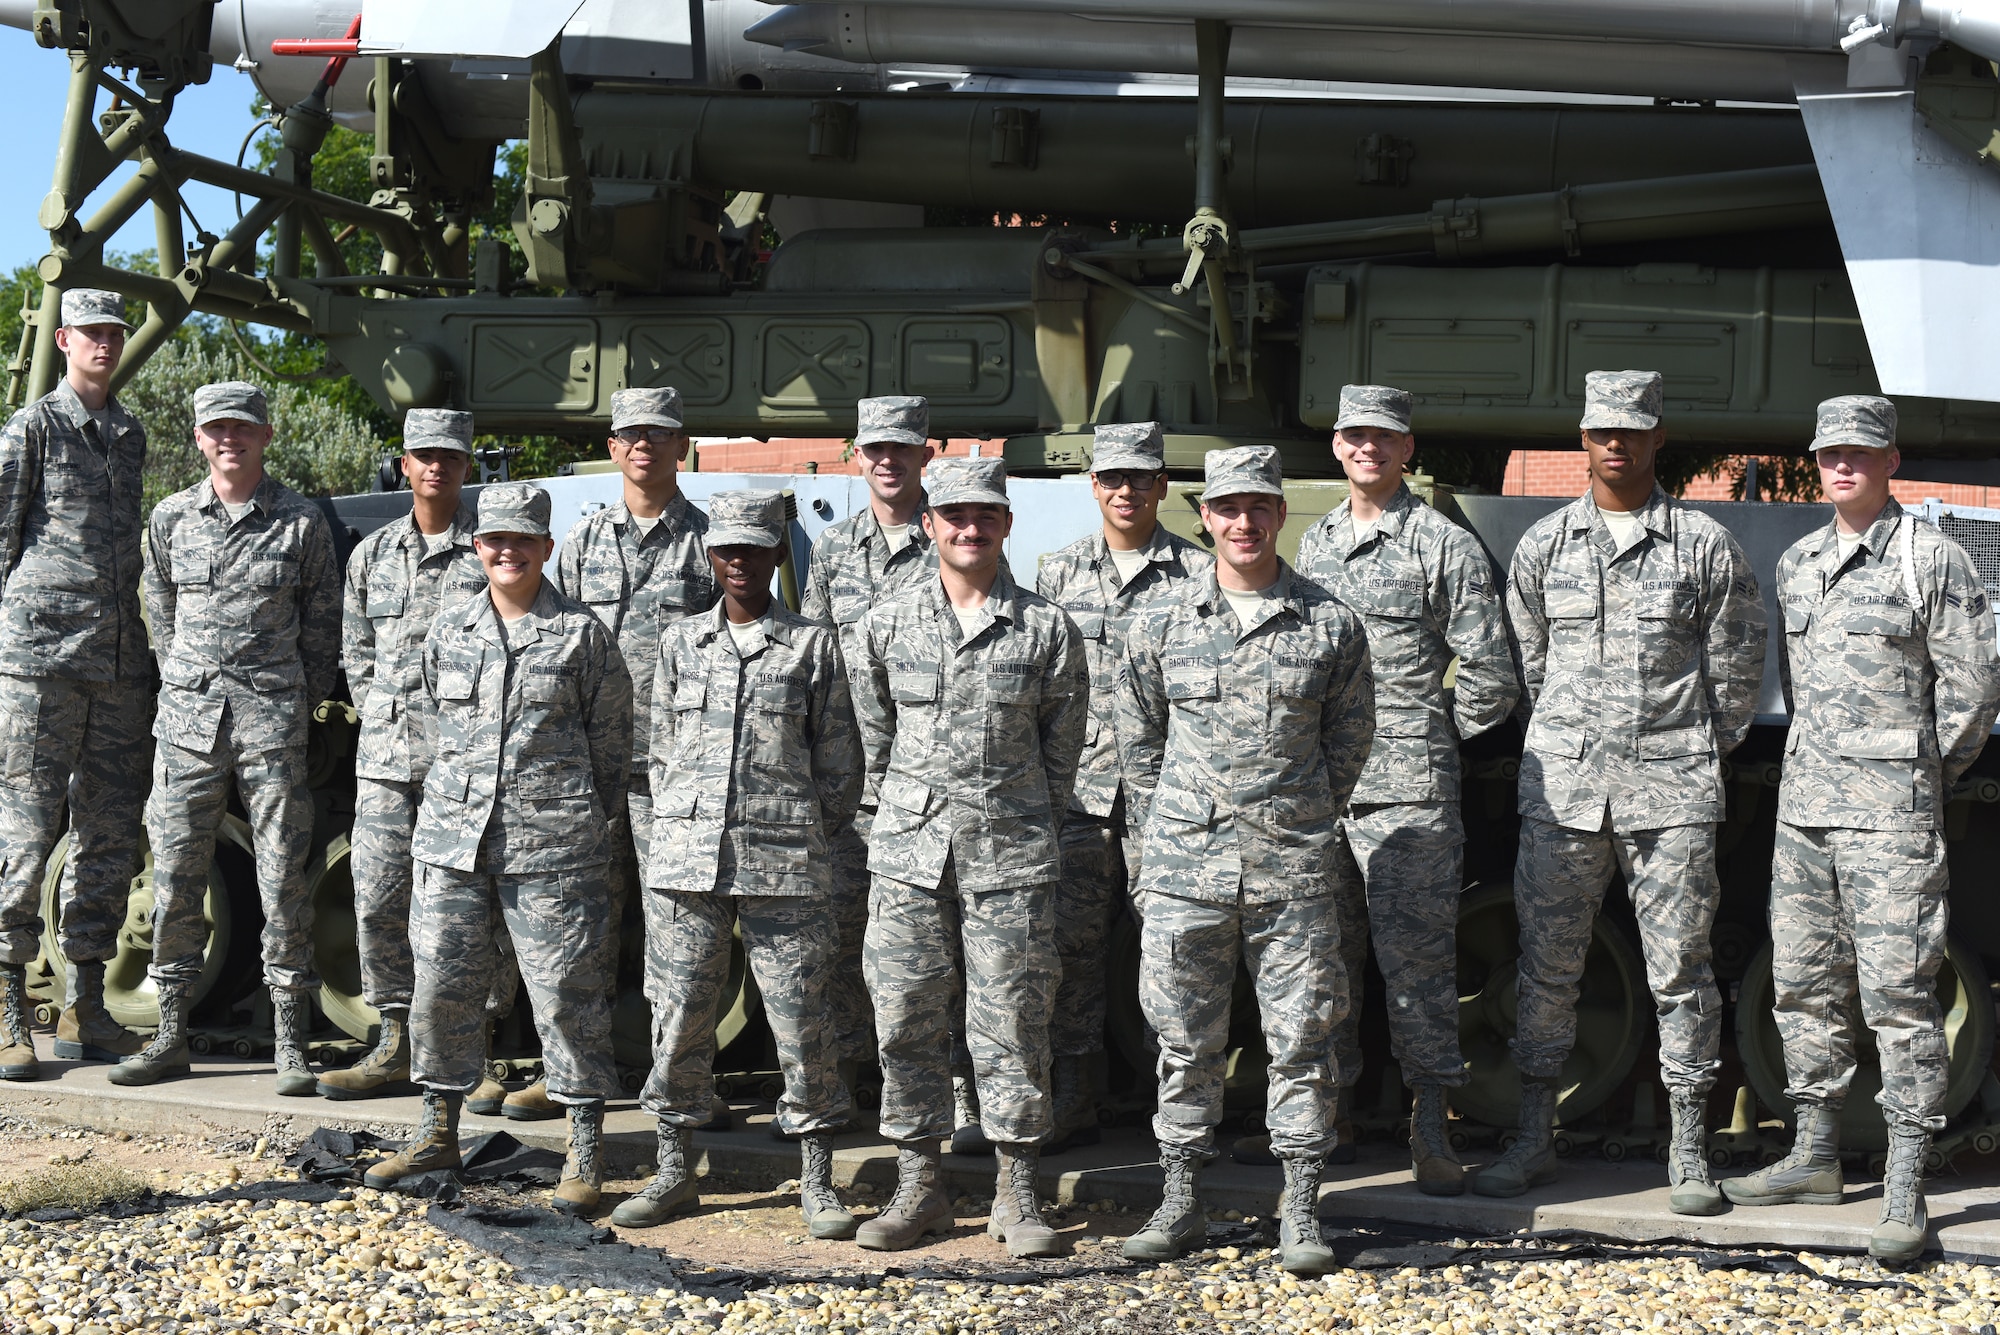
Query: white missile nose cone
{"points": [[18, 14], [793, 27]]}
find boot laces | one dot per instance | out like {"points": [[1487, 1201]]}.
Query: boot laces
{"points": [[910, 1185], [14, 1005], [1903, 1180], [436, 1121], [1301, 1203], [671, 1171], [1021, 1193], [168, 1036], [1430, 1122], [291, 1023], [584, 1128], [816, 1175], [1690, 1145]]}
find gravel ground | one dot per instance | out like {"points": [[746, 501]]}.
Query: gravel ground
{"points": [[369, 1263]]}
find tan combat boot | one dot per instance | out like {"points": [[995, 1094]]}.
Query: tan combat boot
{"points": [[1531, 1160], [17, 1041], [434, 1147], [582, 1182], [1301, 1249], [1433, 1162], [532, 1104], [1179, 1225], [167, 1054], [386, 1065], [490, 1097], [1694, 1190], [1017, 1206], [671, 1191], [86, 1031], [919, 1206], [825, 1215], [291, 1016], [1809, 1175], [1903, 1232]]}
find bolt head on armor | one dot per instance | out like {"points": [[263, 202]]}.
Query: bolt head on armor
{"points": [[897, 419], [85, 306], [437, 429], [746, 519], [1374, 405], [1623, 400], [1134, 446], [1856, 419], [513, 507], [231, 401], [647, 407], [967, 482], [1243, 470]]}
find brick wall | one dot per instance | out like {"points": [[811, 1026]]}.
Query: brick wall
{"points": [[1565, 473], [745, 455]]}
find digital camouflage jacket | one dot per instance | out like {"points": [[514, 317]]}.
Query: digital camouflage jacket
{"points": [[755, 757], [1891, 700], [534, 738], [639, 584], [1082, 580], [394, 593], [972, 744], [246, 616], [1642, 665], [852, 569], [69, 543], [1241, 744], [1426, 593]]}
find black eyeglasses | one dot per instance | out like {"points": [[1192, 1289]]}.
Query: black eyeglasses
{"points": [[1118, 479], [652, 436]]}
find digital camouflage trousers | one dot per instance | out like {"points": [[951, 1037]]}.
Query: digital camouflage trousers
{"points": [[1858, 921], [80, 750], [789, 943], [1559, 882]]}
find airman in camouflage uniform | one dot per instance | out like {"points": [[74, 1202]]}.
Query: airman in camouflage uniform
{"points": [[397, 580], [1890, 676], [1426, 593], [1642, 651], [1245, 714], [76, 689], [755, 757], [534, 744], [1104, 588], [973, 695], [640, 566], [864, 559], [244, 600]]}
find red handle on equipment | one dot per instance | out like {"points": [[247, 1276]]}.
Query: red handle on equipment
{"points": [[340, 48]]}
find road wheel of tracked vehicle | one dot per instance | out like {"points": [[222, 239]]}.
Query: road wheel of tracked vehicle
{"points": [[129, 993], [1963, 994], [1614, 1009], [336, 947]]}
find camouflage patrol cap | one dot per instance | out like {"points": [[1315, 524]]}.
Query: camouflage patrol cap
{"points": [[513, 507], [1374, 405], [437, 429], [231, 401], [647, 407], [93, 305], [1856, 419], [967, 482], [898, 419], [1129, 445], [1632, 400], [746, 519], [1243, 470]]}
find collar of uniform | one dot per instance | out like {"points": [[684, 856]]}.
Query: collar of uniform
{"points": [[1877, 537], [1000, 599], [1159, 548], [544, 618], [65, 396], [1656, 514], [261, 500], [1394, 515], [673, 515], [872, 531], [714, 622], [463, 522], [1284, 595]]}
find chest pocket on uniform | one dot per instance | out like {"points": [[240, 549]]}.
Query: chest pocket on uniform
{"points": [[545, 688], [1193, 684], [914, 688], [276, 570], [1089, 622], [779, 695], [387, 600], [1667, 628], [603, 581], [192, 567], [1572, 618], [1890, 622], [849, 609], [457, 683], [690, 692]]}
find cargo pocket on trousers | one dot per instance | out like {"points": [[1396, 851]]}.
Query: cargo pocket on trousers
{"points": [[20, 729]]}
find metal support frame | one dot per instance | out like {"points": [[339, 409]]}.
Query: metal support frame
{"points": [[1207, 237]]}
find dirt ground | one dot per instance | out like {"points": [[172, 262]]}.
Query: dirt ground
{"points": [[735, 1228]]}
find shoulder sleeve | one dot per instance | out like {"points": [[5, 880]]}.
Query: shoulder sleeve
{"points": [[1733, 638], [1065, 709], [20, 479], [569, 561], [1527, 622], [319, 604], [159, 579], [816, 598], [357, 632], [839, 769], [1347, 714], [1473, 624], [1141, 703], [1959, 634]]}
